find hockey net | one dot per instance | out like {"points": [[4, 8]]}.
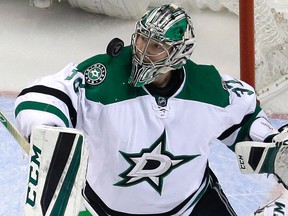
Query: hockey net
{"points": [[271, 54]]}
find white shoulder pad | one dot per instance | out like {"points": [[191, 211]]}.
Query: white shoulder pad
{"points": [[58, 161]]}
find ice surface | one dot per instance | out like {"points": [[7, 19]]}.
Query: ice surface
{"points": [[13, 167]]}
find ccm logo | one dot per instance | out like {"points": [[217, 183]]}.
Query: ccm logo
{"points": [[241, 162], [33, 176]]}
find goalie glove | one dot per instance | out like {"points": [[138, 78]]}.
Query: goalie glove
{"points": [[281, 159], [277, 207], [259, 157]]}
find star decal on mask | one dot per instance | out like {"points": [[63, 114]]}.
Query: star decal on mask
{"points": [[151, 165]]}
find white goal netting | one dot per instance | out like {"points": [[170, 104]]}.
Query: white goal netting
{"points": [[271, 53]]}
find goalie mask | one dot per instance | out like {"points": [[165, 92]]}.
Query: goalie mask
{"points": [[163, 41]]}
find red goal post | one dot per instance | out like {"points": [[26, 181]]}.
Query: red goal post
{"points": [[247, 48], [263, 33]]}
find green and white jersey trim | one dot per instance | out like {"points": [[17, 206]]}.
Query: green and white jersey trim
{"points": [[124, 126]]}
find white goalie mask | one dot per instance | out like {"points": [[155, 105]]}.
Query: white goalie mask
{"points": [[163, 41]]}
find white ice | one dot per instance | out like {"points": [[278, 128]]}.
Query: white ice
{"points": [[36, 42]]}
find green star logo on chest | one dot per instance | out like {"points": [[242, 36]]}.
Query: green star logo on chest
{"points": [[151, 165]]}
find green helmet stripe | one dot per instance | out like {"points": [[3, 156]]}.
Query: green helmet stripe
{"points": [[167, 21], [177, 32]]}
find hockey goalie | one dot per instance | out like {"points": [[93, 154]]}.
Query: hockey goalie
{"points": [[149, 115]]}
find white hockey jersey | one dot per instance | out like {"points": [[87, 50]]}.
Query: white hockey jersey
{"points": [[147, 154]]}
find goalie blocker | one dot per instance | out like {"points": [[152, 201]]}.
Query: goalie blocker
{"points": [[261, 157], [57, 171]]}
